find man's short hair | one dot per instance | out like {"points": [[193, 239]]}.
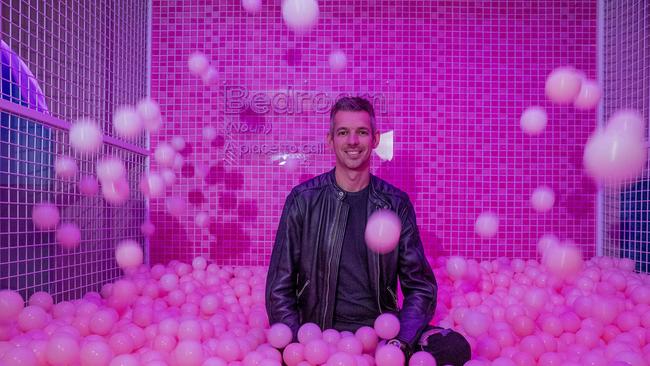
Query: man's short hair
{"points": [[353, 104]]}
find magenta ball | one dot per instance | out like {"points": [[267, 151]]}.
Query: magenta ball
{"points": [[279, 335], [62, 349], [189, 353], [533, 120], [383, 231], [88, 185], [338, 61], [165, 154], [95, 353], [18, 356], [32, 317], [11, 305], [45, 216], [486, 225], [198, 63], [152, 185], [389, 356], [128, 254], [65, 167], [368, 338], [387, 326], [316, 352], [42, 299], [542, 199], [475, 323], [308, 332], [422, 358], [589, 95], [149, 112], [293, 354], [86, 136], [341, 359], [68, 235], [563, 85]]}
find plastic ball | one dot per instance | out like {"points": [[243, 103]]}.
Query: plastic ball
{"points": [[563, 85], [68, 235], [293, 354], [147, 228], [41, 299], [627, 122], [165, 154], [564, 261], [149, 112], [210, 76], [202, 219], [533, 120], [300, 15], [128, 254], [152, 185], [209, 133], [487, 225], [176, 206], [65, 167], [45, 216], [86, 136], [383, 231], [589, 95], [11, 305], [387, 326], [110, 169], [88, 185], [116, 192], [542, 199], [279, 335], [252, 6], [316, 352], [389, 356], [456, 267], [198, 63], [611, 158], [338, 61], [308, 332], [422, 358], [62, 349], [127, 122]]}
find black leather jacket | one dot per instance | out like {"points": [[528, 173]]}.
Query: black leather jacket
{"points": [[302, 278]]}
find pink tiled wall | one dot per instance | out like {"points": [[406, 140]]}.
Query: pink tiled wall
{"points": [[450, 78]]}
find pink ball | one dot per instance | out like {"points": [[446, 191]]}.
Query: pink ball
{"points": [[116, 192], [293, 354], [32, 317], [383, 231], [368, 338], [350, 345], [102, 322], [389, 356], [611, 158], [11, 305], [533, 120], [110, 169], [168, 176], [176, 206], [198, 63], [88, 185], [475, 323], [42, 299], [68, 236], [45, 216], [149, 113], [564, 261], [456, 267], [487, 225], [65, 167], [86, 136], [202, 219], [209, 133], [62, 349], [626, 122], [316, 352], [126, 122], [147, 228], [279, 335], [563, 85], [543, 199], [309, 332], [189, 353], [252, 6], [228, 349], [152, 185], [300, 15], [125, 360], [589, 95], [121, 343], [387, 326], [215, 361], [18, 356], [338, 61], [341, 359], [128, 254], [422, 359]]}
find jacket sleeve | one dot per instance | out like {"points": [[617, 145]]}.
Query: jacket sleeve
{"points": [[281, 300], [416, 279]]}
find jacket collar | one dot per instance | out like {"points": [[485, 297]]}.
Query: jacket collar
{"points": [[373, 194]]}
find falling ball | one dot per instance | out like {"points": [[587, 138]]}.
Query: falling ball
{"points": [[147, 228], [533, 120], [152, 185], [542, 199], [110, 169], [65, 167], [127, 122], [176, 206], [627, 122], [178, 143], [338, 61], [68, 236], [45, 216], [210, 76], [589, 95], [202, 219], [383, 231], [487, 225], [116, 192], [165, 154], [128, 254], [563, 85], [149, 112], [88, 185], [564, 260], [198, 63], [86, 136], [300, 15], [251, 6], [456, 267], [611, 157], [209, 133]]}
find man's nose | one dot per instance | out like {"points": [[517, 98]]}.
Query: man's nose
{"points": [[353, 139]]}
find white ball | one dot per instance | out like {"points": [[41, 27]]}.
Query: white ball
{"points": [[563, 85], [198, 63], [65, 167], [612, 158], [487, 225], [152, 185], [251, 6], [165, 154], [149, 112], [383, 230], [178, 143], [110, 169], [338, 61], [533, 120], [628, 122], [209, 133], [300, 15], [202, 219], [168, 176], [542, 199], [548, 241], [210, 76], [128, 254], [127, 122], [86, 136]]}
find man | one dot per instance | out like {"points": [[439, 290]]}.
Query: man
{"points": [[321, 270]]}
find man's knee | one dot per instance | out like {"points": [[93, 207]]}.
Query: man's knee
{"points": [[447, 346]]}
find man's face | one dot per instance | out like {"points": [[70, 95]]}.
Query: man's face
{"points": [[352, 140]]}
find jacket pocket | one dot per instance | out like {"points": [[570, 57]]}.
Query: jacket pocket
{"points": [[304, 287]]}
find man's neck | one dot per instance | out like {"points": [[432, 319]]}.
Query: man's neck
{"points": [[352, 180]]}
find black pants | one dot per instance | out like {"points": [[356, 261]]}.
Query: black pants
{"points": [[445, 345]]}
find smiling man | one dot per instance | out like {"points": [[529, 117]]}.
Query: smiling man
{"points": [[321, 270]]}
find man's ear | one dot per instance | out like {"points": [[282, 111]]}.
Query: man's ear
{"points": [[375, 140]]}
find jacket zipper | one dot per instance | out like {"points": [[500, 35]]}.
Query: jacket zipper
{"points": [[329, 270], [304, 287], [393, 295]]}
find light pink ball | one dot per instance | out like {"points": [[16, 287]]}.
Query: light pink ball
{"points": [[533, 120], [387, 326], [547, 241], [86, 136], [383, 231], [252, 6], [176, 206], [202, 219], [18, 356], [68, 235], [128, 254], [42, 299], [62, 349], [338, 61], [316, 352], [300, 15], [293, 354], [487, 225], [210, 76], [475, 323], [228, 349], [627, 122], [45, 216], [165, 154], [178, 143], [168, 176], [564, 261], [350, 345], [125, 360], [589, 95], [389, 356], [542, 199], [309, 332], [456, 267], [149, 112], [11, 305], [65, 167], [563, 85], [88, 185], [147, 228], [279, 335], [341, 359], [110, 169], [209, 133], [152, 185], [116, 192], [611, 158], [127, 122], [422, 358], [368, 338], [198, 63]]}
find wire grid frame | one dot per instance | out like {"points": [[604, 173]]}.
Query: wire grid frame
{"points": [[66, 60], [626, 71], [451, 80]]}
